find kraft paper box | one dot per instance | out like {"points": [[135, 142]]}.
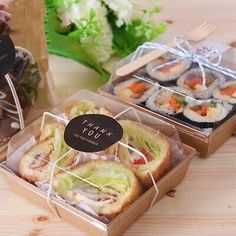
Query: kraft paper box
{"points": [[94, 225], [207, 138]]}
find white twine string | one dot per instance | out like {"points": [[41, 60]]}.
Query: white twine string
{"points": [[65, 121], [138, 152], [49, 192], [18, 110], [54, 165], [5, 106], [17, 102], [186, 52], [149, 169]]}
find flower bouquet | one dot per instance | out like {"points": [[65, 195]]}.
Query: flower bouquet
{"points": [[91, 31]]}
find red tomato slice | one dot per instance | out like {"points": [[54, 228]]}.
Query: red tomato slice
{"points": [[141, 161]]}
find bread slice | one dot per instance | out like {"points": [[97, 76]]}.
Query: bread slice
{"points": [[152, 144], [76, 108], [37, 163], [118, 186], [34, 165]]}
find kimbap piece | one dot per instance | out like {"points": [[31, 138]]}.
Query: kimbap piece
{"points": [[226, 92], [205, 114], [169, 100], [134, 90], [167, 73], [193, 81]]}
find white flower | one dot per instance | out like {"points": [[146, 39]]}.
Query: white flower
{"points": [[123, 10], [93, 30]]}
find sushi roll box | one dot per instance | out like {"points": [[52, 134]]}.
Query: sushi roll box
{"points": [[171, 177], [205, 136]]}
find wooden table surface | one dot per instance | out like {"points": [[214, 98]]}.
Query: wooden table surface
{"points": [[204, 203]]}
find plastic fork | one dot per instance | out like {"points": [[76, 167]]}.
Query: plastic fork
{"points": [[198, 34]]}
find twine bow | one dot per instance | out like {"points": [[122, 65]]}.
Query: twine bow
{"points": [[186, 52]]}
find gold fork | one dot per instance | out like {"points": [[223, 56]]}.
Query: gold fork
{"points": [[198, 34]]}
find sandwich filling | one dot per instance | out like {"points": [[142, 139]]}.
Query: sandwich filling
{"points": [[153, 146], [36, 164], [100, 184], [84, 107]]}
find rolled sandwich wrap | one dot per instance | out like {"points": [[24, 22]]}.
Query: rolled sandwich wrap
{"points": [[117, 187], [77, 108], [37, 163], [152, 144]]}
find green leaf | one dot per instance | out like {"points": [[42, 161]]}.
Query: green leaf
{"points": [[127, 38], [65, 46]]}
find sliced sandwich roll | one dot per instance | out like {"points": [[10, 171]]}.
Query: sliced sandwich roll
{"points": [[152, 144], [82, 107], [116, 187], [36, 164]]}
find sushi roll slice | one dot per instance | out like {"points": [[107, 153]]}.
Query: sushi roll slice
{"points": [[193, 81], [205, 114], [167, 73], [134, 90], [171, 100], [226, 92]]}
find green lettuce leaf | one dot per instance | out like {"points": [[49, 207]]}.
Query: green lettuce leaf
{"points": [[109, 181], [140, 138]]}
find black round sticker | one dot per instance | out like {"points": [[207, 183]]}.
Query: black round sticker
{"points": [[7, 55], [92, 132]]}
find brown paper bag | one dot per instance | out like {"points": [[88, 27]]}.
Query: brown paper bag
{"points": [[27, 26]]}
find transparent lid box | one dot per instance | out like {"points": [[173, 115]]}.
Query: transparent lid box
{"points": [[173, 88], [129, 160]]}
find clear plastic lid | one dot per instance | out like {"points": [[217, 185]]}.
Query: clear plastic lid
{"points": [[191, 85], [103, 183], [18, 92]]}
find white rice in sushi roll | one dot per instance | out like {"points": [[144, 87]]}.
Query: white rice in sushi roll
{"points": [[134, 90], [206, 111], [192, 80], [170, 100], [226, 92], [169, 72]]}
